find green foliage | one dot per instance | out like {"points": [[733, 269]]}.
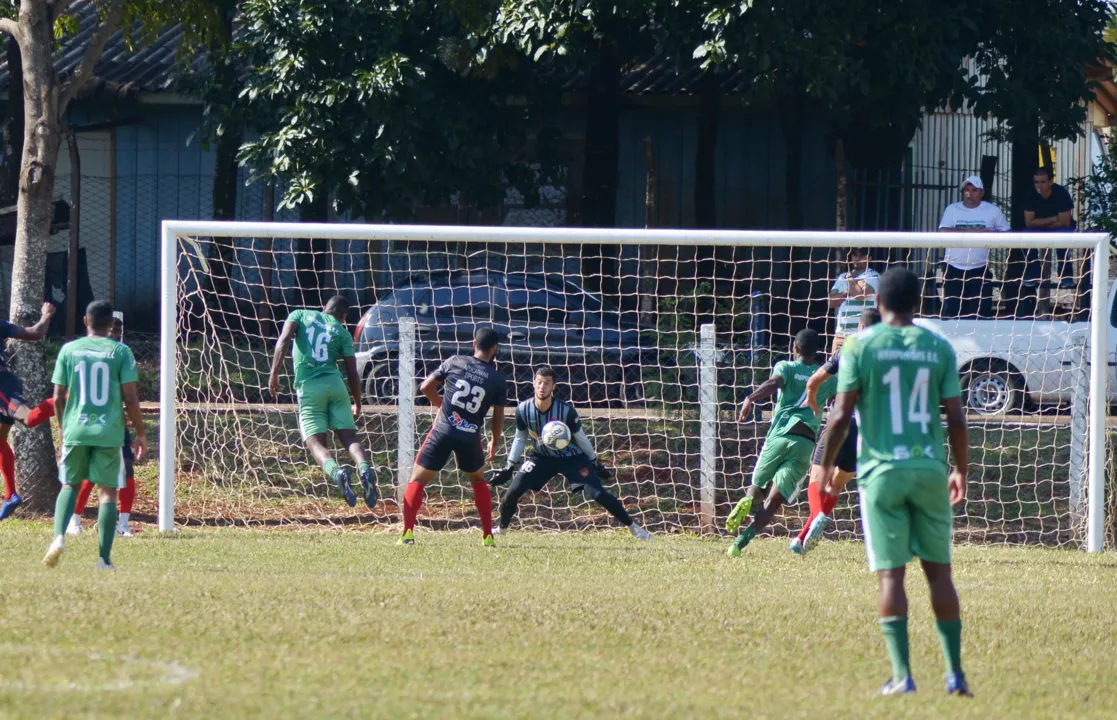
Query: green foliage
{"points": [[384, 106], [1098, 194]]}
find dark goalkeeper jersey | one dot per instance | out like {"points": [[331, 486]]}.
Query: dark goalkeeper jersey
{"points": [[469, 388], [529, 418], [831, 366]]}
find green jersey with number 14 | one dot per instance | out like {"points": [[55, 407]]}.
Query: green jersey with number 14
{"points": [[92, 369], [319, 342], [902, 374]]}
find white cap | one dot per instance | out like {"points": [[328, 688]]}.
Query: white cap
{"points": [[974, 180]]}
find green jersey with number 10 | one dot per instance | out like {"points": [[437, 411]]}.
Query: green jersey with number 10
{"points": [[92, 369], [902, 374], [319, 342]]}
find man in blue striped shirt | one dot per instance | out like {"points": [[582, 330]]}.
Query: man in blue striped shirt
{"points": [[577, 461]]}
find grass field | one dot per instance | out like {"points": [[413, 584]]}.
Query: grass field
{"points": [[237, 623]]}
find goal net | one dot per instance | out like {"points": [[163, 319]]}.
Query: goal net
{"points": [[656, 337]]}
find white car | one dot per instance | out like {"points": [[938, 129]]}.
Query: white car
{"points": [[1005, 362]]}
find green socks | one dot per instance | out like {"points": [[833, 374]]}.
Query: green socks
{"points": [[895, 631], [330, 467], [745, 537], [363, 467], [950, 637], [64, 508], [106, 529]]}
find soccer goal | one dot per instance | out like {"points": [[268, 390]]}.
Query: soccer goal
{"points": [[655, 336]]}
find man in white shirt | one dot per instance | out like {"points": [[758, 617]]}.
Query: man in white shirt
{"points": [[966, 277], [853, 292]]}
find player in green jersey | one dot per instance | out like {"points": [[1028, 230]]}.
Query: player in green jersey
{"points": [[897, 375], [320, 340], [786, 455], [94, 382]]}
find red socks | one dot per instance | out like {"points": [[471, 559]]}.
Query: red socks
{"points": [[8, 468], [40, 414], [829, 502], [412, 501], [820, 503], [483, 499], [127, 496], [83, 497]]}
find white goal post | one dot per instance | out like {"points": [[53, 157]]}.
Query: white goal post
{"points": [[175, 232]]}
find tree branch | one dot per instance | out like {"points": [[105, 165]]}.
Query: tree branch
{"points": [[12, 28], [107, 27]]}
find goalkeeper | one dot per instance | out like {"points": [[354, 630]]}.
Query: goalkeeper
{"points": [[320, 339], [577, 462]]}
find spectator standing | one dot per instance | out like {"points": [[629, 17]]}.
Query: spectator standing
{"points": [[966, 291], [853, 291], [1049, 209]]}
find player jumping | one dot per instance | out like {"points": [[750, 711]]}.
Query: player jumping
{"points": [[13, 407], [897, 376], [94, 381], [577, 462], [128, 494], [320, 339], [786, 454], [471, 386], [822, 506]]}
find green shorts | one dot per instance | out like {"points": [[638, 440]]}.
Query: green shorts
{"points": [[906, 513], [324, 404], [784, 461], [102, 466]]}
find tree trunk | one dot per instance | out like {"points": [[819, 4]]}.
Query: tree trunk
{"points": [[1025, 141], [36, 467]]}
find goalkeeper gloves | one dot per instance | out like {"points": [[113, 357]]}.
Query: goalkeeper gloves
{"points": [[603, 473], [499, 477]]}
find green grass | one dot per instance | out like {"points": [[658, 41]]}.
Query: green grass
{"points": [[333, 624]]}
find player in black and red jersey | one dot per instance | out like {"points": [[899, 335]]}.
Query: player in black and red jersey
{"points": [[470, 385]]}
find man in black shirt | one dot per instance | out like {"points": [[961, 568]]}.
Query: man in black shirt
{"points": [[1049, 209], [577, 461], [471, 385]]}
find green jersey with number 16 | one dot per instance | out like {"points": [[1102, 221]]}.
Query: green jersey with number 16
{"points": [[319, 342], [92, 369], [902, 374]]}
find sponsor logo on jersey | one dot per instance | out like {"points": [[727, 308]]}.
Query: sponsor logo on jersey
{"points": [[584, 472], [460, 423]]}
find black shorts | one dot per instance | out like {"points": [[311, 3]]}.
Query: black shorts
{"points": [[847, 456], [436, 450], [129, 455], [538, 471], [11, 396]]}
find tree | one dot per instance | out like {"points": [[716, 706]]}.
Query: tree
{"points": [[36, 26]]}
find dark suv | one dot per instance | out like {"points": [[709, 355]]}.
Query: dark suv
{"points": [[542, 319]]}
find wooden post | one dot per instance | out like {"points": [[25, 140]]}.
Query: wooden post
{"points": [[75, 225]]}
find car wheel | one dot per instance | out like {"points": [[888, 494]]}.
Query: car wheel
{"points": [[381, 382], [992, 389]]}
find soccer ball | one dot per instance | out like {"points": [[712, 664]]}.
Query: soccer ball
{"points": [[555, 435]]}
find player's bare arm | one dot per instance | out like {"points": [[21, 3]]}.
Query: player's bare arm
{"points": [[354, 381], [841, 415], [131, 396], [38, 331], [767, 389], [60, 393], [282, 350], [959, 437], [813, 384], [430, 388], [497, 430]]}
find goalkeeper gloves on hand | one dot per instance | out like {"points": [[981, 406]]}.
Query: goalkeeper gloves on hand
{"points": [[603, 473], [499, 477]]}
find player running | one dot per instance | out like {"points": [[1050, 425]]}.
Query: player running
{"points": [[786, 454], [897, 376], [472, 385], [13, 407], [577, 462], [823, 505], [94, 382], [128, 494], [320, 339]]}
